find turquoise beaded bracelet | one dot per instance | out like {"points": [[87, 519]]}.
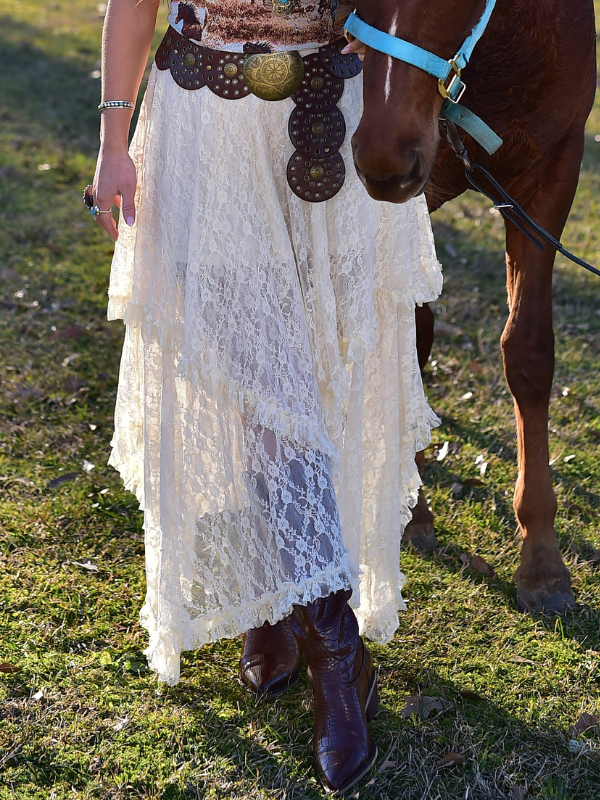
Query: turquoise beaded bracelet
{"points": [[115, 104]]}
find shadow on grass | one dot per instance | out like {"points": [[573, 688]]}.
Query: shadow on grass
{"points": [[227, 744], [43, 95]]}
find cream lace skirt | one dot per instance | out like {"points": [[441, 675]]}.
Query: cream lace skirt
{"points": [[270, 403]]}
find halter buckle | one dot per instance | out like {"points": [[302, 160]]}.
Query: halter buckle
{"points": [[454, 90]]}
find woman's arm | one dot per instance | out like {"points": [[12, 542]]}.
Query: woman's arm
{"points": [[127, 37]]}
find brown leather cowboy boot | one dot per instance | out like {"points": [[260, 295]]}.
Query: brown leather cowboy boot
{"points": [[270, 661], [344, 684]]}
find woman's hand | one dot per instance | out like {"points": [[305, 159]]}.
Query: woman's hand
{"points": [[126, 39], [355, 46], [114, 182]]}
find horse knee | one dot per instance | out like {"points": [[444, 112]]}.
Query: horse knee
{"points": [[529, 369]]}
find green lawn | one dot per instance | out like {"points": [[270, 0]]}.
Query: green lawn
{"points": [[82, 717]]}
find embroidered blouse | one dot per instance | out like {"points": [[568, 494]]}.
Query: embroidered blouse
{"points": [[258, 26]]}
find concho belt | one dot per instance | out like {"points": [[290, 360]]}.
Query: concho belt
{"points": [[317, 129]]}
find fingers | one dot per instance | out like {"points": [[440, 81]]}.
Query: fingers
{"points": [[106, 221], [355, 46], [114, 182], [127, 206]]}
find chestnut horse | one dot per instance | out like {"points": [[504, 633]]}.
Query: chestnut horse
{"points": [[532, 79]]}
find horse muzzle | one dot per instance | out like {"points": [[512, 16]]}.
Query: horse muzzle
{"points": [[399, 176]]}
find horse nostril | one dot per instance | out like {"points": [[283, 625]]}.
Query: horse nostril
{"points": [[413, 173]]}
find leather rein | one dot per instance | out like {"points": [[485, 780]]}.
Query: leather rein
{"points": [[452, 88]]}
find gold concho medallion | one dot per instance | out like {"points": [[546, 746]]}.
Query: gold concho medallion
{"points": [[274, 76]]}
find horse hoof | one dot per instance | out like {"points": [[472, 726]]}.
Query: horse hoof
{"points": [[541, 602], [421, 536]]}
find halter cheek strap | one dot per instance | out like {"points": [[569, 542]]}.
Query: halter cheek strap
{"points": [[441, 69]]}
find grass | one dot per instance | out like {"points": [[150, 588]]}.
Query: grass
{"points": [[83, 717]]}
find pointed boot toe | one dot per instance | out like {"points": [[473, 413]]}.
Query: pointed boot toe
{"points": [[270, 662], [344, 684]]}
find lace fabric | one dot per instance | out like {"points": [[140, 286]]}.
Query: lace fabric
{"points": [[270, 402]]}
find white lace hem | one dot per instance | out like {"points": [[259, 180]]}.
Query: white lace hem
{"points": [[165, 647]]}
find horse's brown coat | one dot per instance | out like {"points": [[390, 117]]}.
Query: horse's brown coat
{"points": [[532, 78]]}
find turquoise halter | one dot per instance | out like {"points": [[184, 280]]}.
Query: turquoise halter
{"points": [[448, 73]]}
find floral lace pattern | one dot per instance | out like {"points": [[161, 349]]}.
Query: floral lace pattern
{"points": [[270, 402]]}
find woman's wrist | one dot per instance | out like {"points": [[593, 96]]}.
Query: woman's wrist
{"points": [[114, 144], [114, 131]]}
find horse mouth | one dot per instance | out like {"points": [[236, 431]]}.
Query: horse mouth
{"points": [[394, 188]]}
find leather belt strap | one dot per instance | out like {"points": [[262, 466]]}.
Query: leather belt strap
{"points": [[317, 129]]}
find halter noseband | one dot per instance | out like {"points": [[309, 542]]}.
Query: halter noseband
{"points": [[448, 73]]}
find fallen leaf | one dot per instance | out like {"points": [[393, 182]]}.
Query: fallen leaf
{"points": [[424, 706], [70, 332], [121, 723], [475, 367], [387, 764], [473, 482], [73, 384], [38, 695], [443, 451], [480, 565], [451, 760], [95, 765], [517, 793], [86, 564], [466, 396], [68, 476], [413, 706], [70, 359], [595, 557], [464, 558], [9, 669], [575, 746], [87, 466], [456, 488], [468, 694], [569, 458], [583, 724], [481, 463], [521, 660]]}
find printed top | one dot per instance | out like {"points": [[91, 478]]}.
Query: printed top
{"points": [[259, 26]]}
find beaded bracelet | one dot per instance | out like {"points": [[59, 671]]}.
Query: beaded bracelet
{"points": [[115, 104]]}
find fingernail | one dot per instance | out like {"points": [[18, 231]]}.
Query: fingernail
{"points": [[129, 221], [346, 50]]}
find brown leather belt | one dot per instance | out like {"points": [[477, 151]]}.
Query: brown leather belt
{"points": [[317, 129]]}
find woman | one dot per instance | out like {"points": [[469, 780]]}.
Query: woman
{"points": [[270, 402]]}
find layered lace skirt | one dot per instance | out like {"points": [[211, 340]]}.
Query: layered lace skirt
{"points": [[270, 403]]}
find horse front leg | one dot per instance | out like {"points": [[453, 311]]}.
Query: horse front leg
{"points": [[543, 582]]}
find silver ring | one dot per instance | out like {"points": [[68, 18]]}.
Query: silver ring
{"points": [[95, 210]]}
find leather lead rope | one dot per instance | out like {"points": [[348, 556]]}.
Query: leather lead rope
{"points": [[507, 205]]}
